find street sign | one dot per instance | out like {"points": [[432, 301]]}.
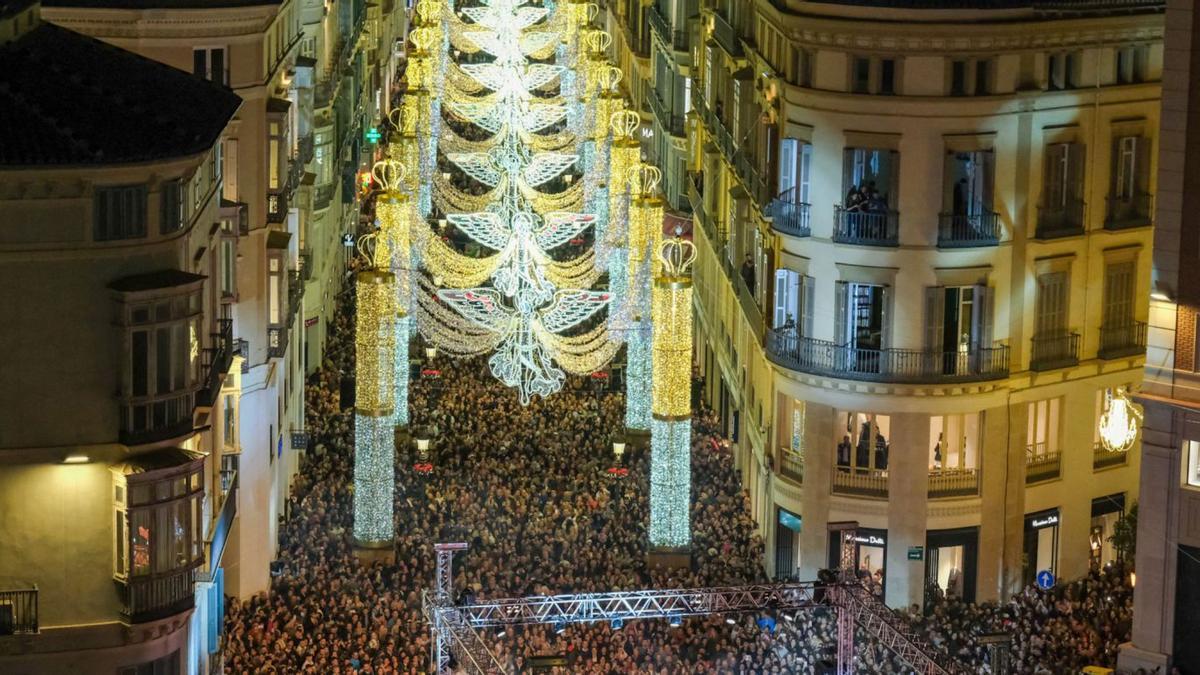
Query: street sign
{"points": [[1045, 580], [916, 552]]}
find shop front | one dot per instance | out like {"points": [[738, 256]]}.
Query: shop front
{"points": [[1107, 511], [1041, 543], [787, 543], [870, 554], [951, 561]]}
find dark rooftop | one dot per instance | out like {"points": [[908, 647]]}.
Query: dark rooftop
{"points": [[1055, 6], [68, 99]]}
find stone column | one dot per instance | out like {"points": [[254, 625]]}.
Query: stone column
{"points": [[908, 485], [1002, 510], [819, 449], [1075, 509]]}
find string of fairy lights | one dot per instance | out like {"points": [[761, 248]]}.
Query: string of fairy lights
{"points": [[506, 198]]}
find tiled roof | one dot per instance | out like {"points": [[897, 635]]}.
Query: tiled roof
{"points": [[68, 99]]}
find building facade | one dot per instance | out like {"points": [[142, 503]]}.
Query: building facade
{"points": [[115, 486], [314, 78], [924, 238], [1165, 620]]}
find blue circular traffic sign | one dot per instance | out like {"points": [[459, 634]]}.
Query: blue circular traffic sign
{"points": [[1045, 580]]}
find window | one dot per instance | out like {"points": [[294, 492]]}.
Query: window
{"points": [[983, 80], [160, 525], [228, 264], [229, 158], [1042, 433], [211, 64], [172, 207], [274, 290], [803, 66], [1192, 470], [861, 315], [1130, 64], [1061, 70], [1119, 280], [863, 446], [1129, 203], [861, 77], [887, 76], [958, 324], [274, 154], [795, 170], [969, 178], [229, 425], [794, 298], [1062, 190], [958, 78], [163, 364], [120, 213], [1125, 167], [954, 442], [1050, 316]]}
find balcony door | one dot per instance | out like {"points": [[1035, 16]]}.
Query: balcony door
{"points": [[968, 184], [793, 303], [1050, 317], [795, 170], [862, 321], [958, 325], [871, 175]]}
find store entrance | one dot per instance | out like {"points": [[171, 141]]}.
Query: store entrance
{"points": [[870, 553], [1107, 511], [951, 560], [1041, 544], [787, 544]]}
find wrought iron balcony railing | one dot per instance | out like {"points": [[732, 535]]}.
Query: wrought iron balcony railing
{"points": [[215, 362], [1126, 212], [19, 611], [725, 36], [866, 228], [676, 39], [1127, 338], [1060, 220], [967, 231], [149, 419], [1057, 349], [1041, 466], [789, 216], [822, 357], [1103, 459], [672, 123]]}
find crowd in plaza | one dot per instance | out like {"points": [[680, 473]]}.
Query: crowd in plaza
{"points": [[529, 489]]}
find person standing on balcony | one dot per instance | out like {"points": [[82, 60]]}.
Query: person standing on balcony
{"points": [[748, 272]]}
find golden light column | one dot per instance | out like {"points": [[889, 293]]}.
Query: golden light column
{"points": [[393, 251], [374, 445], [671, 426]]}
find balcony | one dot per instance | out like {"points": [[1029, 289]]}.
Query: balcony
{"points": [[215, 362], [673, 124], [749, 305], [277, 341], [1041, 467], [950, 483], [701, 215], [323, 196], [968, 231], [911, 366], [1059, 349], [1103, 459], [789, 216], [725, 36], [150, 419], [277, 207], [861, 483], [675, 39], [1126, 212], [791, 465], [19, 612], [1060, 220], [224, 522], [638, 44], [237, 215], [306, 148], [306, 264], [1127, 338], [866, 228], [157, 596]]}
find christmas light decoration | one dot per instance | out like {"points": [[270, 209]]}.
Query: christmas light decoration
{"points": [[670, 431], [1119, 421], [374, 451]]}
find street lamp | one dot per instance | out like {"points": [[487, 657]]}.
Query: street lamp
{"points": [[423, 449], [430, 353], [618, 449]]}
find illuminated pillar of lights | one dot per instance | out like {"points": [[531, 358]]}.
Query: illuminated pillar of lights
{"points": [[393, 249], [671, 428], [623, 155], [374, 446]]}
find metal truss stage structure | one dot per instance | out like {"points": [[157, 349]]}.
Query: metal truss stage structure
{"points": [[455, 628]]}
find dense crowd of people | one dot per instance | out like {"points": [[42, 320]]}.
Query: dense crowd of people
{"points": [[529, 489]]}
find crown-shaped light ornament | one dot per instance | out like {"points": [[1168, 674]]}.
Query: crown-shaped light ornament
{"points": [[422, 38], [367, 245], [624, 123], [428, 11], [610, 77], [677, 255], [390, 174], [598, 41], [644, 179]]}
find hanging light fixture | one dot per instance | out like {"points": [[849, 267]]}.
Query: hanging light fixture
{"points": [[1120, 421]]}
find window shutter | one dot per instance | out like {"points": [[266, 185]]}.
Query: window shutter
{"points": [[1076, 170], [1142, 165], [885, 295], [807, 305], [893, 169], [849, 174], [981, 331], [842, 316], [780, 316], [805, 171], [987, 167], [935, 317], [787, 166]]}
